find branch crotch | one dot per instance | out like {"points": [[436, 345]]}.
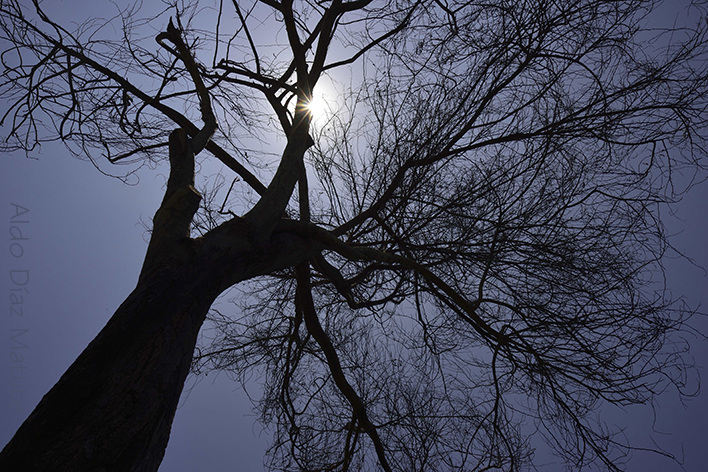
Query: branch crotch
{"points": [[170, 237]]}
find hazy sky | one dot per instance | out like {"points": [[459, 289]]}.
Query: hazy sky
{"points": [[82, 246], [83, 251]]}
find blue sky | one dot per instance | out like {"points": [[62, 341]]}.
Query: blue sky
{"points": [[83, 251]]}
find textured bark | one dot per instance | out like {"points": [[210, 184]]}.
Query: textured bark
{"points": [[113, 408]]}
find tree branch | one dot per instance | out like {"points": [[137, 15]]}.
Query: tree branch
{"points": [[304, 291], [203, 136]]}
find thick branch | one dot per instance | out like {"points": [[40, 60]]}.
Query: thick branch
{"points": [[296, 46], [264, 216], [204, 135], [304, 290], [327, 31], [172, 220], [366, 253]]}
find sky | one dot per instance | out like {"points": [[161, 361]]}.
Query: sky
{"points": [[74, 243], [83, 245]]}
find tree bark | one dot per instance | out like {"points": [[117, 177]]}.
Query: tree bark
{"points": [[113, 408]]}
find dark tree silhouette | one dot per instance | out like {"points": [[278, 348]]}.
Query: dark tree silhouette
{"points": [[464, 253]]}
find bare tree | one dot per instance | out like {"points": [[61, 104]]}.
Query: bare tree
{"points": [[464, 253]]}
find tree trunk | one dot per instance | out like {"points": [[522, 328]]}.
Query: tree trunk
{"points": [[113, 408]]}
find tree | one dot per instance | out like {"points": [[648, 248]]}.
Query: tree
{"points": [[472, 253]]}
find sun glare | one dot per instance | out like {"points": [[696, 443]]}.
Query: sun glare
{"points": [[324, 103], [318, 106]]}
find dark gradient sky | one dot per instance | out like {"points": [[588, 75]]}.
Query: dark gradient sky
{"points": [[84, 249]]}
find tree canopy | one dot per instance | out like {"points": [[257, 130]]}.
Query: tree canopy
{"points": [[480, 198]]}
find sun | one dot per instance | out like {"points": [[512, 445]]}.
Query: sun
{"points": [[318, 106], [324, 103]]}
